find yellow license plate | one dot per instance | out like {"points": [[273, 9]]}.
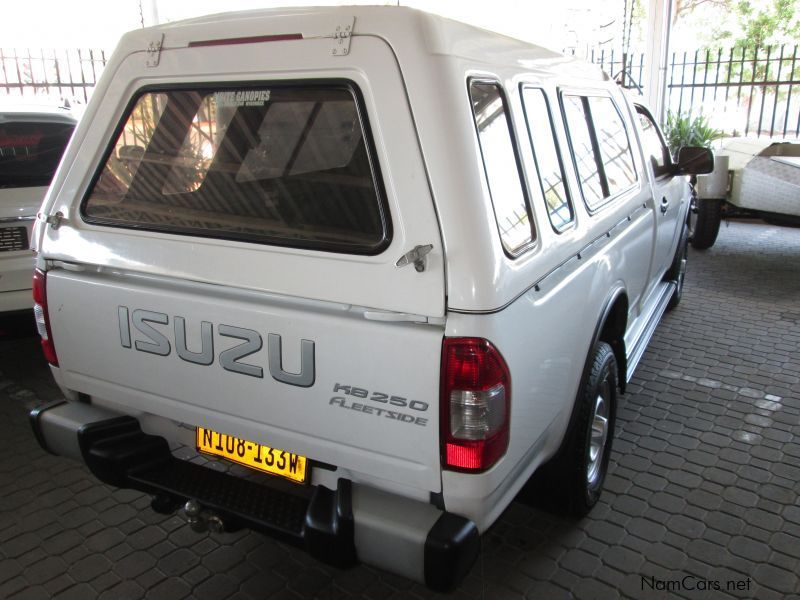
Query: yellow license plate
{"points": [[256, 456]]}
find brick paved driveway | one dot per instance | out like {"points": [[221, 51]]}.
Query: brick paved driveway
{"points": [[702, 494]]}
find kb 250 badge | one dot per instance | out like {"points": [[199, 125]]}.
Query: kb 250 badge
{"points": [[379, 404]]}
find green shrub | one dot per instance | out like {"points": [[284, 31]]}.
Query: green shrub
{"points": [[682, 129]]}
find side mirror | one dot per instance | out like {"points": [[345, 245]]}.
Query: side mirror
{"points": [[694, 160]]}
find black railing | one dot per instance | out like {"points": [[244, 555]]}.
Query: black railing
{"points": [[626, 68], [743, 91], [67, 74], [754, 85]]}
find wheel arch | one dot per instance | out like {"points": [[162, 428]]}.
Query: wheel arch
{"points": [[610, 328]]}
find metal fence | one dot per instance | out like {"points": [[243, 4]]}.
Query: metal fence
{"points": [[66, 74], [742, 91], [628, 69]]}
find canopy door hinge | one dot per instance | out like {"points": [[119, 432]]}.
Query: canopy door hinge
{"points": [[154, 51], [341, 37], [54, 220]]}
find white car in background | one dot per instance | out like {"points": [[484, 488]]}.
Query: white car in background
{"points": [[33, 136]]}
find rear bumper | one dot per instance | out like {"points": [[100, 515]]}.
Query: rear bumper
{"points": [[16, 274], [16, 300], [340, 527]]}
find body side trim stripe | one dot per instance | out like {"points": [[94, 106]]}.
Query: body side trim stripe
{"points": [[587, 251]]}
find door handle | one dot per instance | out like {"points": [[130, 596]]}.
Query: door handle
{"points": [[664, 205]]}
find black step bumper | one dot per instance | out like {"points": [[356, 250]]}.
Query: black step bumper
{"points": [[340, 527]]}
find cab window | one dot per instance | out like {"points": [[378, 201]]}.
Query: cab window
{"points": [[655, 150]]}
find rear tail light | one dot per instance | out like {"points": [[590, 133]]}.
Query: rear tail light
{"points": [[42, 317], [475, 404]]}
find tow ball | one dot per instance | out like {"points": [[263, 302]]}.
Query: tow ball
{"points": [[201, 519]]}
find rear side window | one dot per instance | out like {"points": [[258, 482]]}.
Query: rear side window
{"points": [[30, 152], [601, 147], [551, 174], [502, 168], [283, 165], [583, 151]]}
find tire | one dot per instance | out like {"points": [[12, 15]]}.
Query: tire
{"points": [[706, 223], [574, 478], [677, 271]]}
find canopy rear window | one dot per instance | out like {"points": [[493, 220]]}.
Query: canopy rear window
{"points": [[30, 152], [279, 164]]}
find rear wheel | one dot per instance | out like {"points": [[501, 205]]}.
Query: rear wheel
{"points": [[575, 477], [705, 221]]}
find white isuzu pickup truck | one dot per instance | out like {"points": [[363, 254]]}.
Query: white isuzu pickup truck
{"points": [[392, 264]]}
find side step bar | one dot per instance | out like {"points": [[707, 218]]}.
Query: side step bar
{"points": [[642, 337]]}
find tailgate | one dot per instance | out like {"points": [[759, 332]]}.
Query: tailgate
{"points": [[316, 379]]}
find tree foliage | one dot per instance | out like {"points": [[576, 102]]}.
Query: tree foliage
{"points": [[748, 23], [684, 8]]}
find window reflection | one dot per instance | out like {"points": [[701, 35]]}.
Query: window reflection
{"points": [[615, 149], [654, 147], [583, 152], [124, 162], [285, 165], [500, 163], [30, 151], [551, 175]]}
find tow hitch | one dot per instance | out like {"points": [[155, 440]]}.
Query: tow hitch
{"points": [[201, 519]]}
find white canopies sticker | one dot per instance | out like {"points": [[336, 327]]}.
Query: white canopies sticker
{"points": [[242, 98]]}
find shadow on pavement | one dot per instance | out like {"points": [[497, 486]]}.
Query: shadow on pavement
{"points": [[17, 325]]}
